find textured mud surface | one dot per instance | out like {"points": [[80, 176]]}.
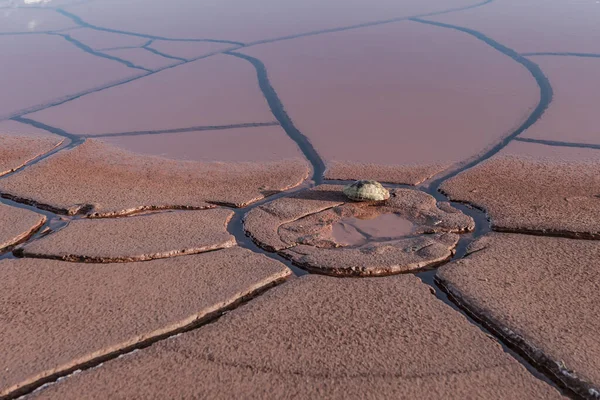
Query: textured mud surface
{"points": [[395, 340], [80, 180], [524, 189], [58, 315], [17, 150], [17, 224], [542, 294], [139, 238]]}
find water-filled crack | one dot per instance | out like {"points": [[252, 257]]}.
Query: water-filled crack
{"points": [[566, 54], [97, 53], [79, 21], [160, 53], [366, 24], [532, 358], [284, 119], [52, 129], [191, 129], [546, 94], [557, 143]]}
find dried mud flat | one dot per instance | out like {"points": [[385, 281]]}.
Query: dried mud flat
{"points": [[17, 224], [170, 167], [540, 191], [139, 238], [541, 294], [58, 316], [79, 180], [407, 346], [17, 150]]}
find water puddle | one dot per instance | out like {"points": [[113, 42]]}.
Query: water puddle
{"points": [[356, 231]]}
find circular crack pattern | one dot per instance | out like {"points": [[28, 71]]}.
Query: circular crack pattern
{"points": [[301, 228]]}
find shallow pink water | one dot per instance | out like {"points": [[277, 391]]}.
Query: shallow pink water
{"points": [[398, 94], [536, 25], [550, 153], [266, 143], [355, 231], [105, 40], [248, 21], [573, 114], [220, 90], [37, 69]]}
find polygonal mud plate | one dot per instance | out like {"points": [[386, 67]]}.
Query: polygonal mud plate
{"points": [[306, 237]]}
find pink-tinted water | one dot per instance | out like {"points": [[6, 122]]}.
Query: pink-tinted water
{"points": [[400, 94], [219, 90], [267, 143], [248, 21], [551, 153], [143, 58], [536, 25], [105, 40], [37, 69], [190, 50], [356, 231], [572, 116], [9, 127], [395, 94]]}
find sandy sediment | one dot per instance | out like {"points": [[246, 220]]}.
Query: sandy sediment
{"points": [[304, 235], [375, 259], [321, 337], [17, 224], [536, 189], [137, 238], [58, 315], [16, 150], [262, 222], [82, 180], [540, 294]]}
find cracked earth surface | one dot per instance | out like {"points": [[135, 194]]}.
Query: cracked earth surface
{"points": [[171, 202]]}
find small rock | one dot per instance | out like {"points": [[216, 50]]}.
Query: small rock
{"points": [[365, 190]]}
